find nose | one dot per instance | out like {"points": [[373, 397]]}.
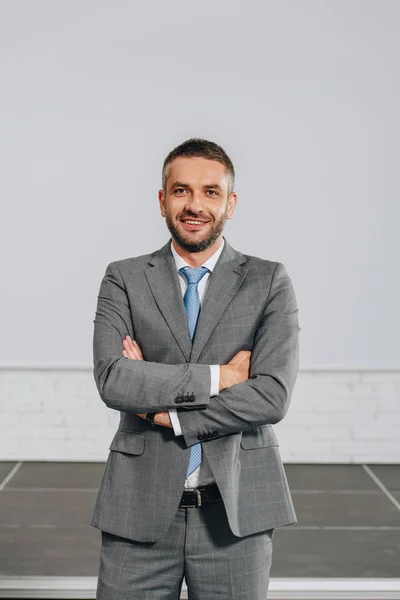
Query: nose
{"points": [[194, 203]]}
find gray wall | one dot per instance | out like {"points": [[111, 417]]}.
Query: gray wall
{"points": [[304, 96]]}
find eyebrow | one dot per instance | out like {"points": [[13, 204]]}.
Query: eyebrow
{"points": [[179, 184], [186, 185], [215, 186]]}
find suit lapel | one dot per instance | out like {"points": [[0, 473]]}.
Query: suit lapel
{"points": [[163, 280], [225, 280]]}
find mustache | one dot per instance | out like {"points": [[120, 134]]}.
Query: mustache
{"points": [[192, 215]]}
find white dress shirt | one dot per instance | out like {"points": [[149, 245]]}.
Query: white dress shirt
{"points": [[202, 475]]}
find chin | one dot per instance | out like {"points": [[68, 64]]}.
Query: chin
{"points": [[195, 245], [192, 241], [192, 237]]}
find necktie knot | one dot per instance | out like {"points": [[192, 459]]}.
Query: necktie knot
{"points": [[193, 275]]}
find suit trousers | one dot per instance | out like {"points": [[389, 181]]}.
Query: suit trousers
{"points": [[198, 546]]}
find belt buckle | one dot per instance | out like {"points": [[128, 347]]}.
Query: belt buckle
{"points": [[198, 494]]}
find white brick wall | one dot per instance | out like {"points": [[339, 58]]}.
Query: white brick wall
{"points": [[343, 416], [335, 416]]}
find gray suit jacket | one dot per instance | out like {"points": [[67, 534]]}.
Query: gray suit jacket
{"points": [[250, 304]]}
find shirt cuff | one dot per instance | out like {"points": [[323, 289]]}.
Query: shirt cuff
{"points": [[175, 421], [214, 380]]}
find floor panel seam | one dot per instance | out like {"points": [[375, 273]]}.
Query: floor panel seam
{"points": [[10, 475], [382, 486]]}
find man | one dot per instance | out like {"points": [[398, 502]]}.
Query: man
{"points": [[196, 345]]}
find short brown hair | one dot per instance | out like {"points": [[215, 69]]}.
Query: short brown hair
{"points": [[200, 148]]}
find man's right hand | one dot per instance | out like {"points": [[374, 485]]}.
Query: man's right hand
{"points": [[236, 371]]}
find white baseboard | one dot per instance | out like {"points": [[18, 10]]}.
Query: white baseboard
{"points": [[83, 588]]}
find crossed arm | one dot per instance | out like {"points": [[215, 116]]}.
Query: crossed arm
{"points": [[236, 371], [246, 399]]}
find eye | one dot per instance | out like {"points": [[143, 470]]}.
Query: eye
{"points": [[179, 191], [212, 192]]}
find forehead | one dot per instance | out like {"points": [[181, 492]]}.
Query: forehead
{"points": [[197, 170]]}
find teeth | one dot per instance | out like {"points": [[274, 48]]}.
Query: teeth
{"points": [[194, 222]]}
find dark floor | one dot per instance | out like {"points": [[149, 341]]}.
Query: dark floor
{"points": [[348, 521]]}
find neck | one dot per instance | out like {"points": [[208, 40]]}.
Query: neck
{"points": [[196, 259]]}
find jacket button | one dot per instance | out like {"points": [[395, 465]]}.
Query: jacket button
{"points": [[201, 436], [178, 400]]}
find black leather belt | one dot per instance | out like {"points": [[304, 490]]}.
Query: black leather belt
{"points": [[201, 496]]}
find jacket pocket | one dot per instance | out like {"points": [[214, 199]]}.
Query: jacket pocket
{"points": [[130, 443], [260, 437]]}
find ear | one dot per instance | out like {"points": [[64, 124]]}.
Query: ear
{"points": [[232, 201], [161, 200]]}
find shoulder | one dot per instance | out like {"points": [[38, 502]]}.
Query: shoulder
{"points": [[271, 276], [272, 273], [131, 265], [263, 266]]}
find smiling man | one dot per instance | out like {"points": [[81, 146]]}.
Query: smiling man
{"points": [[197, 225], [197, 346]]}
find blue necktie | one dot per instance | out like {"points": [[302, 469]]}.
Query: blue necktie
{"points": [[191, 301]]}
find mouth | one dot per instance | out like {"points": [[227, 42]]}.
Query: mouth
{"points": [[193, 224]]}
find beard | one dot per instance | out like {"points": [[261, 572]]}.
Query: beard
{"points": [[196, 246]]}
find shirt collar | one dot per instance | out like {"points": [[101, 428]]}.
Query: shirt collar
{"points": [[209, 263]]}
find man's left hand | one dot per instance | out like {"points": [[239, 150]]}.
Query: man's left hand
{"points": [[133, 352]]}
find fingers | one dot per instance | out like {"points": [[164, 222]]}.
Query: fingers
{"points": [[131, 349], [241, 356], [163, 418]]}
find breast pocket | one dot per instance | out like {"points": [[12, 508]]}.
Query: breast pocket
{"points": [[260, 437], [127, 442]]}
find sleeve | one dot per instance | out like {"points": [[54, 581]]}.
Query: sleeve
{"points": [[213, 392], [264, 398], [137, 386]]}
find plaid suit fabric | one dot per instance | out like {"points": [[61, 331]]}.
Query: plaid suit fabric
{"points": [[249, 304], [200, 545]]}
